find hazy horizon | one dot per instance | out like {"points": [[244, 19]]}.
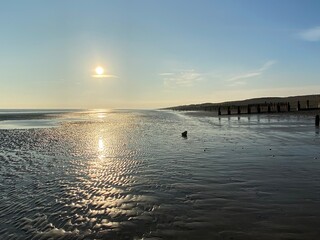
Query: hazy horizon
{"points": [[155, 54], [155, 108]]}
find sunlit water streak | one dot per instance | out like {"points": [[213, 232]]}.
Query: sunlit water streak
{"points": [[130, 175]]}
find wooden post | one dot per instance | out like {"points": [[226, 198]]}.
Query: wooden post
{"points": [[219, 111], [239, 110], [298, 108], [278, 107], [184, 134], [249, 109], [258, 108], [269, 108], [289, 108], [317, 121], [308, 104], [229, 111]]}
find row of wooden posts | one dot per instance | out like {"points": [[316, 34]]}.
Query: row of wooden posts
{"points": [[278, 107], [268, 106]]}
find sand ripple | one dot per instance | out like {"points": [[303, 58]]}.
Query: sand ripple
{"points": [[131, 176]]}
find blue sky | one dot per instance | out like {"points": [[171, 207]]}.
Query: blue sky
{"points": [[156, 53]]}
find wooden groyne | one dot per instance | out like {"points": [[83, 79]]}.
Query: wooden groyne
{"points": [[258, 108], [254, 109]]}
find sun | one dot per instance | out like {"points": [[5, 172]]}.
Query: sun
{"points": [[99, 70]]}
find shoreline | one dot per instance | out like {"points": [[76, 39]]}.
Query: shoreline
{"points": [[215, 114]]}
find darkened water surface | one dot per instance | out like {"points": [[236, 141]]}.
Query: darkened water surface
{"points": [[130, 175]]}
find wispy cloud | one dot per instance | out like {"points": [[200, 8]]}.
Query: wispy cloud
{"points": [[240, 79], [166, 74], [237, 83], [311, 34], [104, 76], [185, 78]]}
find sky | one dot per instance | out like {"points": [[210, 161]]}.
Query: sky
{"points": [[156, 53]]}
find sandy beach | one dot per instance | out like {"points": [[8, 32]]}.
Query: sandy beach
{"points": [[130, 175], [160, 120]]}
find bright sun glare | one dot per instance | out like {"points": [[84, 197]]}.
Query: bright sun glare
{"points": [[99, 70]]}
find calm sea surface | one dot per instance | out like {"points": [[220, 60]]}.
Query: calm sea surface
{"points": [[130, 175]]}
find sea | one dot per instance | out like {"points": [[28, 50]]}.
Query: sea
{"points": [[129, 174]]}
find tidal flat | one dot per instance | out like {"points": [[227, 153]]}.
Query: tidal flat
{"points": [[128, 174]]}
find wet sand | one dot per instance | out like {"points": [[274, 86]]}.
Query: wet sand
{"points": [[130, 175]]}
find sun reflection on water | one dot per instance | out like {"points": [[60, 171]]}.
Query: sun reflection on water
{"points": [[101, 148], [101, 115], [106, 195], [100, 144]]}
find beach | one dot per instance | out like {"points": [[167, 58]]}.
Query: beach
{"points": [[128, 174]]}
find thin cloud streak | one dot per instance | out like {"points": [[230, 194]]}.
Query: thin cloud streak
{"points": [[237, 83], [186, 78], [104, 76], [311, 34], [250, 74], [166, 74]]}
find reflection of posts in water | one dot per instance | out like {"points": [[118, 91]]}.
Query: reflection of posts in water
{"points": [[229, 111], [317, 121], [219, 111], [298, 107], [278, 107], [239, 110]]}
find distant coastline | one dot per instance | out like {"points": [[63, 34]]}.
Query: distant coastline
{"points": [[256, 105]]}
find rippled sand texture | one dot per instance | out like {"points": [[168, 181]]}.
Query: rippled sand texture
{"points": [[130, 175]]}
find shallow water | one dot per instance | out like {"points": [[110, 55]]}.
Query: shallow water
{"points": [[130, 175]]}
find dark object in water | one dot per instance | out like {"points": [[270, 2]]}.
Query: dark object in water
{"points": [[184, 134], [317, 120]]}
